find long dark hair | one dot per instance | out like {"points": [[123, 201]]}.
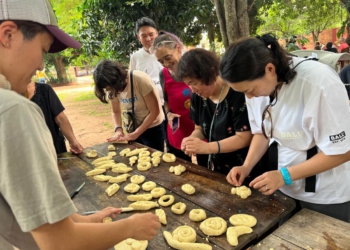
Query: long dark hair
{"points": [[246, 59], [109, 74]]}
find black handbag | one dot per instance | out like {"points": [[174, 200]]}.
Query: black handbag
{"points": [[129, 117]]}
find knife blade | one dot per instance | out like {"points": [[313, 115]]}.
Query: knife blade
{"points": [[124, 209], [77, 190]]}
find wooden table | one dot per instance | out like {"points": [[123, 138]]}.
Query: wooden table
{"points": [[212, 194], [309, 230]]}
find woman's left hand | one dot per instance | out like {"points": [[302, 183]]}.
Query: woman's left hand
{"points": [[196, 146], [268, 182], [130, 137], [99, 216], [75, 147]]}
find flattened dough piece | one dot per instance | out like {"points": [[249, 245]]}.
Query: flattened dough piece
{"points": [[92, 154], [184, 245], [118, 179], [139, 197], [243, 220], [132, 188], [112, 189], [162, 216], [188, 189], [95, 171], [213, 226], [233, 233], [158, 192], [143, 205], [124, 151], [111, 147], [148, 185], [131, 244], [242, 191], [185, 234], [137, 179], [197, 215], [102, 177]]}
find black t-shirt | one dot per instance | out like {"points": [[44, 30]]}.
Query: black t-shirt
{"points": [[46, 98], [231, 117]]}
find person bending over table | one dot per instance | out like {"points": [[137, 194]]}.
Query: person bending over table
{"points": [[114, 78], [299, 107], [36, 211]]}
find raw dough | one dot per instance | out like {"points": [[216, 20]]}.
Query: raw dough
{"points": [[137, 179], [213, 226], [233, 233], [241, 191], [144, 159], [188, 189], [144, 153], [185, 234], [95, 171], [197, 215], [144, 166], [143, 205], [158, 192], [118, 179], [112, 154], [106, 165], [243, 220], [178, 208], [162, 216], [133, 152], [124, 151], [92, 154], [139, 197], [111, 148], [132, 188], [120, 169], [102, 177], [157, 154], [100, 163], [166, 200], [149, 185], [107, 220], [105, 158], [112, 189], [184, 245], [131, 244], [177, 170], [132, 160], [169, 157], [156, 161]]}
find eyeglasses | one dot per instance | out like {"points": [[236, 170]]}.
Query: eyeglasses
{"points": [[160, 44], [266, 116]]}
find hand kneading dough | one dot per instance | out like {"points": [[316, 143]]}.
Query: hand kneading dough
{"points": [[184, 245], [149, 185], [118, 179], [132, 160], [106, 158], [102, 177], [213, 226], [241, 191], [185, 234], [143, 205], [233, 233], [111, 148], [132, 188], [95, 171], [92, 154], [131, 244], [124, 151], [162, 216], [178, 208], [177, 170], [243, 220], [139, 197], [169, 157], [112, 189], [158, 192], [197, 215], [137, 179], [188, 189]]}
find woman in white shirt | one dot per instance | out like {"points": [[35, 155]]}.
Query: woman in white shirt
{"points": [[300, 108]]}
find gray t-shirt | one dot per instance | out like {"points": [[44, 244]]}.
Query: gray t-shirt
{"points": [[31, 190]]}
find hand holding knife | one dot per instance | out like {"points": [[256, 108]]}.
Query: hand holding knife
{"points": [[124, 209], [77, 190]]}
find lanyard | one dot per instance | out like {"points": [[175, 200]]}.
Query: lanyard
{"points": [[210, 164]]}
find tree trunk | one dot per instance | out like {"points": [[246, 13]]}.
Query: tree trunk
{"points": [[231, 20], [242, 18], [220, 13], [211, 37], [60, 69]]}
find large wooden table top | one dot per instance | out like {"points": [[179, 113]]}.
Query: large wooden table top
{"points": [[308, 230], [213, 194]]}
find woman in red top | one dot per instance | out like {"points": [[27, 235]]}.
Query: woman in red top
{"points": [[168, 50]]}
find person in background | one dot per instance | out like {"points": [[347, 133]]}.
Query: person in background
{"points": [[344, 75], [300, 108], [116, 80], [56, 120], [222, 128], [330, 48], [42, 77], [317, 46], [343, 45], [36, 211]]}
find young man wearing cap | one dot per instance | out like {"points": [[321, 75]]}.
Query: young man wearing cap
{"points": [[35, 208]]}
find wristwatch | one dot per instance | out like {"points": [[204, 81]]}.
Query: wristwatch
{"points": [[116, 128]]}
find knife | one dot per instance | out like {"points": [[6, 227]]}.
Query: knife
{"points": [[124, 209], [77, 190]]}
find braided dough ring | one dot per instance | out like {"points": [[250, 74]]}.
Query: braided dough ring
{"points": [[213, 226], [188, 189], [132, 160], [144, 159], [144, 153], [158, 192], [132, 188], [243, 220], [169, 157], [137, 179], [156, 161], [149, 185], [157, 154], [124, 152], [92, 154], [131, 244], [197, 215], [178, 208], [166, 200], [144, 166], [185, 234]]}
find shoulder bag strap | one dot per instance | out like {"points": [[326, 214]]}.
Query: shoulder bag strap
{"points": [[132, 98]]}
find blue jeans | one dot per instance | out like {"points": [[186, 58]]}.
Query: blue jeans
{"points": [[153, 137]]}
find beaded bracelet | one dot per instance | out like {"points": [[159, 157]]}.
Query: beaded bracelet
{"points": [[286, 176]]}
